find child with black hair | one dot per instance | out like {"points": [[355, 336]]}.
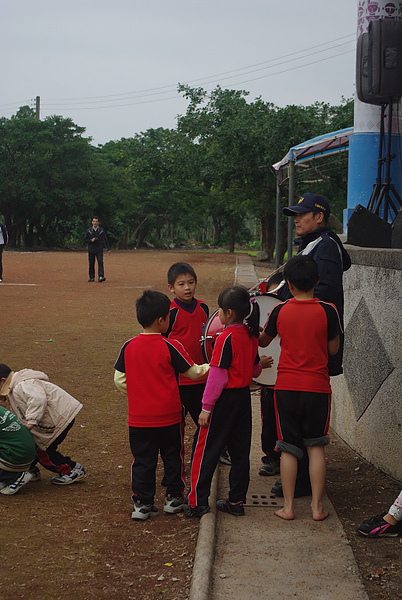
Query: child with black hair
{"points": [[187, 319], [309, 330], [147, 369], [225, 419]]}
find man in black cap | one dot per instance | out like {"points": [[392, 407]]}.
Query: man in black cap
{"points": [[317, 240]]}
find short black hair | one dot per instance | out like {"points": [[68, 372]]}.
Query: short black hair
{"points": [[4, 371], [275, 279], [302, 272], [180, 268], [151, 306]]}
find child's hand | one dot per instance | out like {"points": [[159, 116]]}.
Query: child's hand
{"points": [[203, 418], [266, 361]]}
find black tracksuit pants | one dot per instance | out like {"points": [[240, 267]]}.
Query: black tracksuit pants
{"points": [[146, 443], [229, 425]]}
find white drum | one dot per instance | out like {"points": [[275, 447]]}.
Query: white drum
{"points": [[266, 303]]}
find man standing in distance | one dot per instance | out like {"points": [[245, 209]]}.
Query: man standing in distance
{"points": [[96, 239], [3, 243], [317, 240]]}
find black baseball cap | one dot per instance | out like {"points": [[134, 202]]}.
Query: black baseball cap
{"points": [[308, 203]]}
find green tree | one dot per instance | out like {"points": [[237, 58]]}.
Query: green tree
{"points": [[44, 168]]}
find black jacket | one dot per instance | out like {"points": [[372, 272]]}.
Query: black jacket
{"points": [[100, 242]]}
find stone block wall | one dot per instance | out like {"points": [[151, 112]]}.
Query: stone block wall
{"points": [[367, 398]]}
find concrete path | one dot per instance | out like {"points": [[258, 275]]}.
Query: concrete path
{"points": [[260, 556]]}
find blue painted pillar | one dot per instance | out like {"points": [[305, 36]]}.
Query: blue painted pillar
{"points": [[364, 143]]}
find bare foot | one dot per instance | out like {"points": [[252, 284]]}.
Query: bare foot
{"points": [[288, 515], [320, 515]]}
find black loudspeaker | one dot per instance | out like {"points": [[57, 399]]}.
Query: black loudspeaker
{"points": [[397, 231], [385, 59], [362, 68], [368, 230]]}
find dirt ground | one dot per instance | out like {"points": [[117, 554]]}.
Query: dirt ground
{"points": [[79, 540]]}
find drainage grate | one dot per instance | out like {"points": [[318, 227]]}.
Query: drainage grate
{"points": [[263, 501]]}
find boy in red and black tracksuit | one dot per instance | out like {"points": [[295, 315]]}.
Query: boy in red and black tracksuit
{"points": [[146, 370], [188, 317], [309, 330]]}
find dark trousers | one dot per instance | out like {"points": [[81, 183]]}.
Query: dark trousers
{"points": [[52, 459], [9, 477], [1, 261], [191, 399], [268, 424], [145, 444], [230, 426], [91, 261]]}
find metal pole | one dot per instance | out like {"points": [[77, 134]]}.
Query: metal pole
{"points": [[291, 203], [278, 219], [38, 107]]}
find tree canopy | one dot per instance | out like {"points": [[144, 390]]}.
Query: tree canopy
{"points": [[206, 180]]}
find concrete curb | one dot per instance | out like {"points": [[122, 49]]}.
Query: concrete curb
{"points": [[205, 551], [201, 580]]}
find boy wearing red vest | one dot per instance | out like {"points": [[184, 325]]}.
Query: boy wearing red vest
{"points": [[187, 319], [146, 369]]}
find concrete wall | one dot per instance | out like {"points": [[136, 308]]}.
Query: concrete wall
{"points": [[367, 398]]}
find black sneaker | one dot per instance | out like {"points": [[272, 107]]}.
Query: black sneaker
{"points": [[236, 509], [197, 511], [377, 527], [101, 279], [142, 512], [91, 280], [174, 505], [269, 467]]}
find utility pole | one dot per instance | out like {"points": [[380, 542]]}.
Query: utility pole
{"points": [[37, 104]]}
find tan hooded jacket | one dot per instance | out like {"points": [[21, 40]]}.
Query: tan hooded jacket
{"points": [[38, 402]]}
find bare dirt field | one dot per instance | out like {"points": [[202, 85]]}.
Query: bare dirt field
{"points": [[79, 541]]}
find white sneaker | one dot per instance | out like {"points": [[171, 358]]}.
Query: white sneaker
{"points": [[15, 487], [74, 475]]}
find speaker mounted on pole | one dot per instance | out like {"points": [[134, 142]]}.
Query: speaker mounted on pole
{"points": [[385, 59]]}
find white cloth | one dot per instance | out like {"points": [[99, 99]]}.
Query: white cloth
{"points": [[396, 509]]}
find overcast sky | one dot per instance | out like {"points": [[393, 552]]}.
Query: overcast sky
{"points": [[113, 65]]}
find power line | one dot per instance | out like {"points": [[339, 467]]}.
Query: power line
{"points": [[48, 108], [117, 99], [173, 87]]}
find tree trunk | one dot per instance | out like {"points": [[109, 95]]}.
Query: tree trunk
{"points": [[217, 231], [141, 235], [28, 236], [283, 241], [232, 224], [268, 234]]}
